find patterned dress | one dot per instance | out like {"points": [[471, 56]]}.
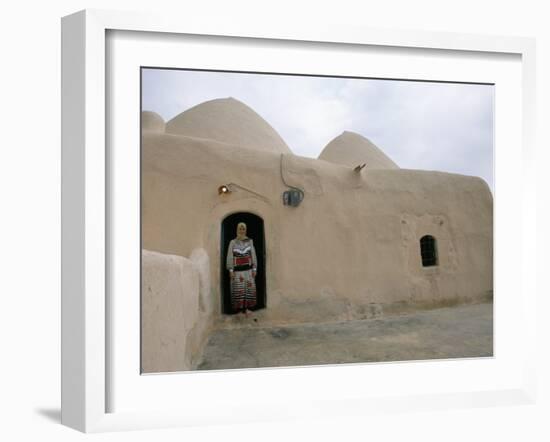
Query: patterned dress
{"points": [[241, 259]]}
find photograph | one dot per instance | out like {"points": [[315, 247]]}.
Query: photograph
{"points": [[298, 220]]}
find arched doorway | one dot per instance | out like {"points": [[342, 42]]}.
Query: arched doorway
{"points": [[255, 231]]}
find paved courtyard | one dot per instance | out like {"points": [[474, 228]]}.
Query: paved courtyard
{"points": [[454, 332]]}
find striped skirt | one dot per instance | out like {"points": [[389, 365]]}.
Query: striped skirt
{"points": [[243, 291]]}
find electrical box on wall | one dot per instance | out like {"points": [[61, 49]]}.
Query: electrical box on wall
{"points": [[293, 197]]}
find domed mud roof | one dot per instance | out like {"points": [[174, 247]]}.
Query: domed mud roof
{"points": [[152, 122], [229, 121], [352, 149]]}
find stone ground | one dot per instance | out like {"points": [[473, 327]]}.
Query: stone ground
{"points": [[454, 332]]}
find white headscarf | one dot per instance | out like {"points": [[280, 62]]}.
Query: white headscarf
{"points": [[241, 237]]}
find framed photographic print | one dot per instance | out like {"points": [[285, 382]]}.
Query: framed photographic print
{"points": [[324, 216], [262, 249]]}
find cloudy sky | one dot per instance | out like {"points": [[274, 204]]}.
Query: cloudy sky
{"points": [[419, 125]]}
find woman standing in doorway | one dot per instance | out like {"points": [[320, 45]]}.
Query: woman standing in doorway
{"points": [[242, 265]]}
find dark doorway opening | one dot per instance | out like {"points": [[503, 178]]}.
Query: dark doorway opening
{"points": [[255, 231]]}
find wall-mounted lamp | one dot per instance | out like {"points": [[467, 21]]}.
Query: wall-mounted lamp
{"points": [[224, 189], [293, 197], [360, 167]]}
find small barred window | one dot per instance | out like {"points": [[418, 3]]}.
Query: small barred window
{"points": [[428, 250]]}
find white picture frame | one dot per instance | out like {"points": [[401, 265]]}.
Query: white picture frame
{"points": [[86, 203]]}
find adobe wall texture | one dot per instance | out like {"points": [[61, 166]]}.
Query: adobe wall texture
{"points": [[176, 311], [349, 251]]}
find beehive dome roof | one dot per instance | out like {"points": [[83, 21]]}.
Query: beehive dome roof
{"points": [[152, 122], [230, 121], [352, 149]]}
